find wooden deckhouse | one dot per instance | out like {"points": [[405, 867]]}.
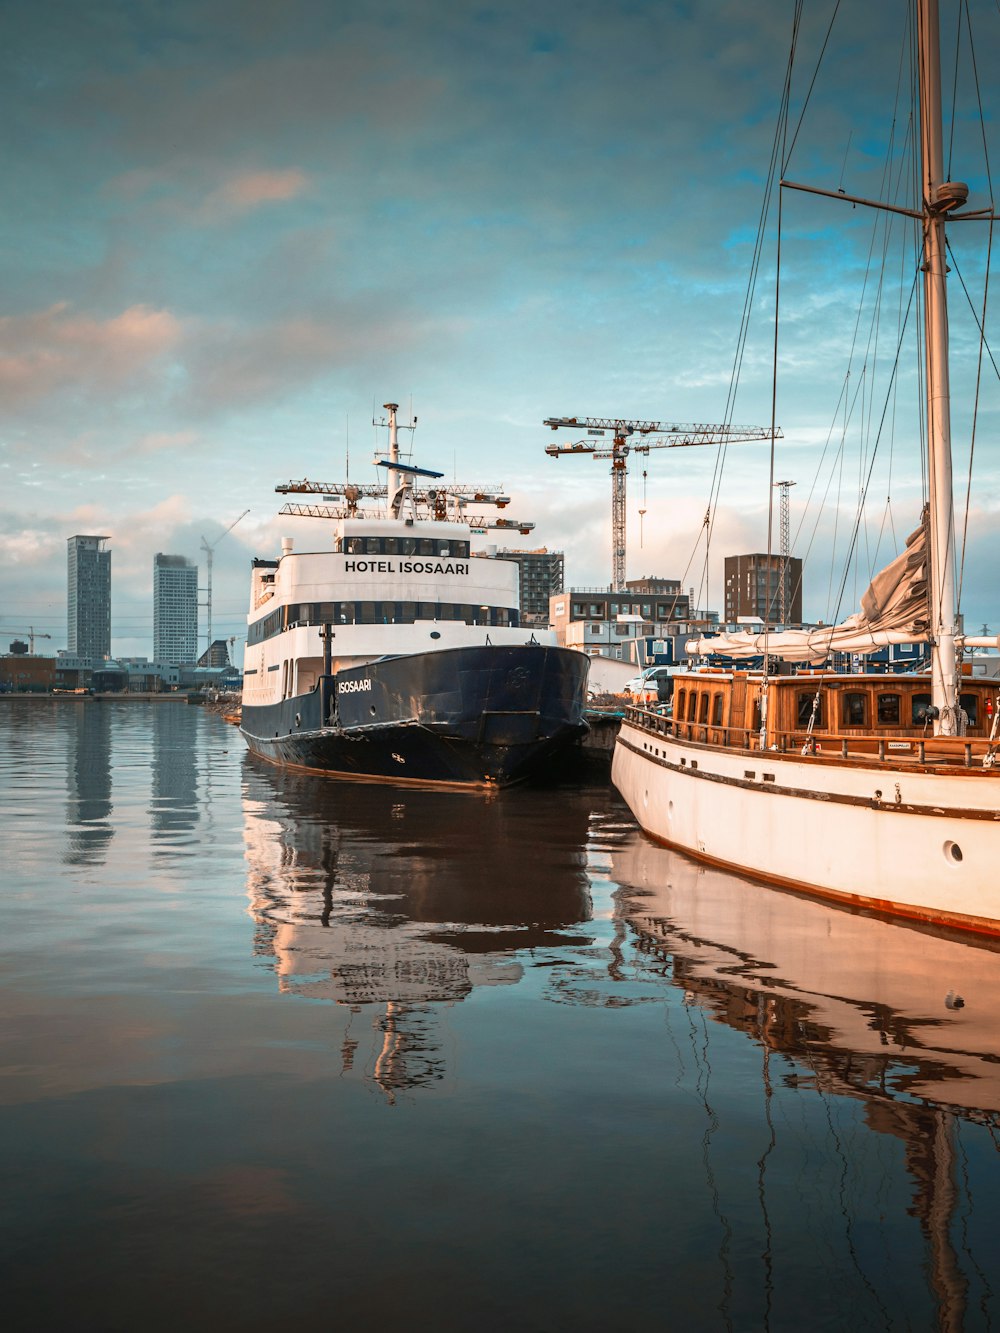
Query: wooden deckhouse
{"points": [[885, 715]]}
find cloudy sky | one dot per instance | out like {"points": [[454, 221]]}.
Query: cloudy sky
{"points": [[231, 228]]}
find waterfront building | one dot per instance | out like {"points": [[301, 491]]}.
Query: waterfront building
{"points": [[175, 609], [541, 577], [88, 600], [644, 623], [753, 588]]}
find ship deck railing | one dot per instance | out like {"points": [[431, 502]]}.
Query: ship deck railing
{"points": [[890, 748]]}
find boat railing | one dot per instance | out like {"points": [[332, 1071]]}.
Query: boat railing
{"points": [[951, 751]]}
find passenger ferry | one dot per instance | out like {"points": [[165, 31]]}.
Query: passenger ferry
{"points": [[398, 655]]}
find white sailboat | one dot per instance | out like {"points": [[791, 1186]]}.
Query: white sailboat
{"points": [[866, 789]]}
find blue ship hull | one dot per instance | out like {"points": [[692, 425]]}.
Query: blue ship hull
{"points": [[480, 716]]}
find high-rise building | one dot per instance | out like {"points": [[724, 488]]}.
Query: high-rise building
{"points": [[753, 588], [541, 575], [175, 610], [88, 600]]}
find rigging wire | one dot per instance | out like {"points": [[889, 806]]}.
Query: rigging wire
{"points": [[981, 322]]}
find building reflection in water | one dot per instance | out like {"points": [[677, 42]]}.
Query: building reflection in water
{"points": [[174, 772], [899, 1016], [394, 902], [88, 785]]}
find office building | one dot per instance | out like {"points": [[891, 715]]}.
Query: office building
{"points": [[753, 589], [175, 609], [88, 601], [540, 577]]}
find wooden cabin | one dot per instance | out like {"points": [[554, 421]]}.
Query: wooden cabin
{"points": [[885, 714]]}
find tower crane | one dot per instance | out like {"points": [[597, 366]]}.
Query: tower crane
{"points": [[32, 634], [209, 549], [621, 432]]}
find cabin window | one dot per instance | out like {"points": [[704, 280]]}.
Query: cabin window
{"points": [[717, 710], [703, 708], [969, 704], [919, 704], [854, 709], [392, 546], [887, 710], [371, 546], [692, 705], [804, 708], [679, 703]]}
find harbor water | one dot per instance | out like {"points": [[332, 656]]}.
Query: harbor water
{"points": [[281, 1050]]}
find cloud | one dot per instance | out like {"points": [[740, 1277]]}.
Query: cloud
{"points": [[50, 350], [244, 192]]}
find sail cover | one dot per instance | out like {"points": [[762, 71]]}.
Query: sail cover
{"points": [[895, 609]]}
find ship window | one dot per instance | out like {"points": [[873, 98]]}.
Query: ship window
{"points": [[426, 546], [354, 545], [703, 708], [919, 704], [969, 703], [371, 545], [679, 703], [854, 709], [692, 705], [887, 710], [392, 546], [804, 708], [717, 710], [347, 613]]}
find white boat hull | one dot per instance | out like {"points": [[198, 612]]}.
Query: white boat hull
{"points": [[919, 842]]}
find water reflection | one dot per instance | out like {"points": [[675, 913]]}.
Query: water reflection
{"points": [[174, 772], [88, 785], [393, 901], [898, 1016], [880, 1007]]}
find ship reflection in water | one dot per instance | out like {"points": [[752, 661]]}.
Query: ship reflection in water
{"points": [[396, 900], [878, 1007], [899, 1016]]}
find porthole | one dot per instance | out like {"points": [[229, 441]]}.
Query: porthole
{"points": [[435, 634], [952, 852]]}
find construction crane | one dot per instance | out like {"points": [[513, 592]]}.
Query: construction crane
{"points": [[209, 549], [621, 431], [32, 634]]}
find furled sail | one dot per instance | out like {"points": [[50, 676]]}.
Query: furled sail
{"points": [[895, 609]]}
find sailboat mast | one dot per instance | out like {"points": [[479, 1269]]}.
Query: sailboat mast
{"points": [[939, 197]]}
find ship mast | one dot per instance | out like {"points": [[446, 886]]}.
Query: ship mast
{"points": [[940, 197]]}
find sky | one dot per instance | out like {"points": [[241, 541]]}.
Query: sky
{"points": [[231, 229]]}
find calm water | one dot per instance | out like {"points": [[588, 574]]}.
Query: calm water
{"points": [[277, 1049]]}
